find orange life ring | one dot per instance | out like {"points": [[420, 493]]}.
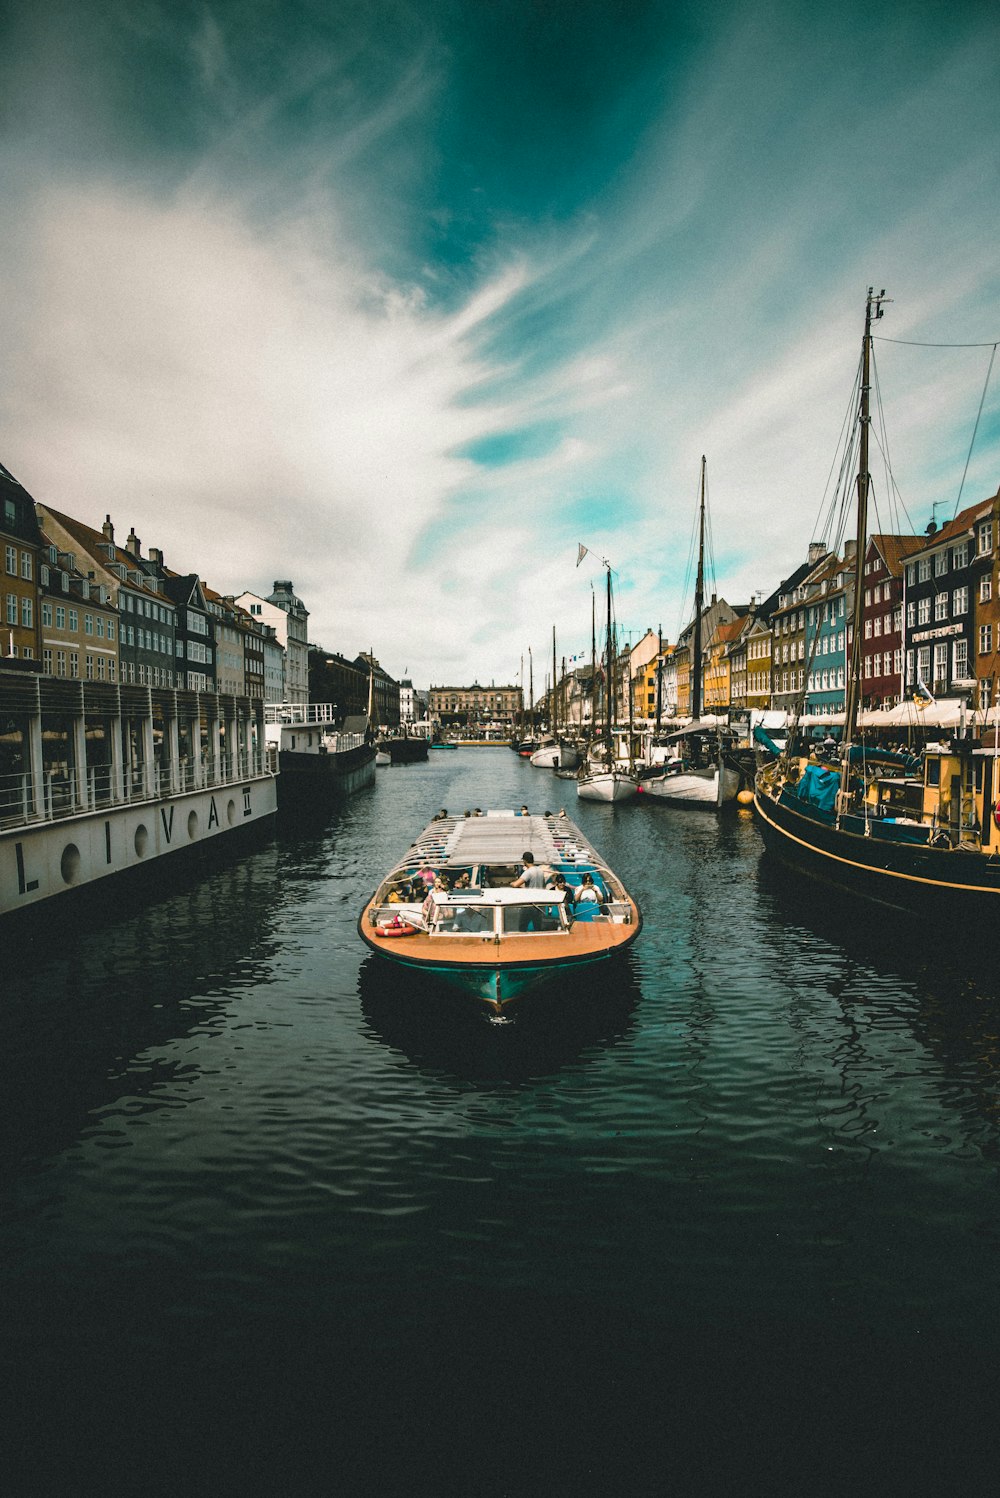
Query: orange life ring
{"points": [[395, 928], [996, 813]]}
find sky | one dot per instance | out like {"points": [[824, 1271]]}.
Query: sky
{"points": [[404, 301]]}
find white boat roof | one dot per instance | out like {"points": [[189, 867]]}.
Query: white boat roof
{"points": [[499, 839]]}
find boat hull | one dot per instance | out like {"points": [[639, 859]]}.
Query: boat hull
{"points": [[305, 776], [607, 785], [906, 876], [693, 790]]}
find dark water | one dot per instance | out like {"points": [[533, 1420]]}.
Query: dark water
{"points": [[278, 1219]]}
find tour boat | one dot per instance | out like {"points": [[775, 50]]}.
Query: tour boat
{"points": [[483, 934], [921, 834]]}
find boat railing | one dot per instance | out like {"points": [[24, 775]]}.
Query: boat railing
{"points": [[67, 793], [300, 713]]}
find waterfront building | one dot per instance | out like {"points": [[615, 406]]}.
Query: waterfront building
{"points": [[717, 678], [469, 706], [384, 691], [788, 634], [736, 654], [21, 543], [882, 619], [407, 702], [757, 638], [987, 617], [78, 621], [830, 590], [146, 616], [717, 612], [942, 647], [289, 618], [230, 646], [338, 681]]}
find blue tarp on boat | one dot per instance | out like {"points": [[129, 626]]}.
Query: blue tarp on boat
{"points": [[760, 737], [818, 787]]}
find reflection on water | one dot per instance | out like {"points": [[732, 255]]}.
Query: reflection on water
{"points": [[744, 1180], [444, 1031]]}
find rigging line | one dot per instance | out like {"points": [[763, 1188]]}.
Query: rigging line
{"points": [[852, 402], [975, 429], [912, 343]]}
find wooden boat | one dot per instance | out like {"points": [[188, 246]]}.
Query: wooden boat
{"points": [[922, 834], [490, 938], [687, 780], [383, 757], [603, 778], [314, 758]]}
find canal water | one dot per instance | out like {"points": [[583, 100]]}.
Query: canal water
{"points": [[277, 1218]]}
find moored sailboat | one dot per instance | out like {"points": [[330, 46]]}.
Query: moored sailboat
{"points": [[603, 777], [921, 836]]}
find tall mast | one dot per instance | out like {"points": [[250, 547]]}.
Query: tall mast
{"points": [[552, 710], [593, 661], [699, 600], [659, 674], [873, 308], [609, 678], [531, 688]]}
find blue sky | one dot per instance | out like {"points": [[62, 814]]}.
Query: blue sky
{"points": [[402, 301]]}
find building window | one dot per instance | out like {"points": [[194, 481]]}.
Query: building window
{"points": [[897, 662], [89, 667], [111, 668], [26, 565], [924, 611], [47, 662], [924, 570], [941, 664], [74, 665], [11, 608], [60, 616], [940, 606], [960, 601], [74, 621], [960, 660], [911, 614], [924, 662], [111, 629], [985, 639], [46, 615], [12, 560], [940, 563], [985, 537], [27, 613], [909, 668], [100, 627], [88, 624], [960, 555], [985, 692], [60, 663]]}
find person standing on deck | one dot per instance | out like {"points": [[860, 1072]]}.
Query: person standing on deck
{"points": [[532, 876]]}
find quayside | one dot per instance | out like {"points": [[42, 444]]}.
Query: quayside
{"points": [[454, 906]]}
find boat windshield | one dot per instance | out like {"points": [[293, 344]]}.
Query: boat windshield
{"points": [[462, 920], [528, 919]]}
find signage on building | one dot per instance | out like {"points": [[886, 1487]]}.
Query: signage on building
{"points": [[937, 634]]}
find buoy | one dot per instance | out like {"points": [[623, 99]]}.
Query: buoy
{"points": [[744, 798]]}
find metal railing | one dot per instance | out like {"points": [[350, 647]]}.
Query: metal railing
{"points": [[67, 795]]}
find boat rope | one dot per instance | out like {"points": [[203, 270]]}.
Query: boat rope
{"points": [[975, 429]]}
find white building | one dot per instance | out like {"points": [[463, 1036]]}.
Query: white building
{"points": [[289, 618]]}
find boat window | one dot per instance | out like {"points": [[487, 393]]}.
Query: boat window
{"points": [[463, 920], [519, 920]]}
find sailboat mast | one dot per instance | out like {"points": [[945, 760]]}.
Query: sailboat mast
{"points": [[531, 689], [609, 679], [552, 712], [593, 661], [873, 307], [659, 675], [699, 600]]}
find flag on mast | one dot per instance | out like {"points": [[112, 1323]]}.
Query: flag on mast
{"points": [[581, 552]]}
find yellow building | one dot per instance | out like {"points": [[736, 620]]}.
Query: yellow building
{"points": [[717, 679]]}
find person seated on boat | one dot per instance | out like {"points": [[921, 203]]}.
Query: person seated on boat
{"points": [[440, 815], [524, 812], [558, 882], [588, 893], [532, 875], [463, 881], [398, 895]]}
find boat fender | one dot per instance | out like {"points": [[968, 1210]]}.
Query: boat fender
{"points": [[395, 927], [996, 813]]}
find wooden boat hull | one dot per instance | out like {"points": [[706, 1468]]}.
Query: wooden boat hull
{"points": [[916, 878], [607, 785], [693, 790]]}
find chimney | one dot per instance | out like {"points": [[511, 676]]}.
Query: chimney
{"points": [[133, 544], [108, 530], [817, 551], [850, 549], [156, 556]]}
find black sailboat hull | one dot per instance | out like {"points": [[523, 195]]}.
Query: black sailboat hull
{"points": [[919, 879]]}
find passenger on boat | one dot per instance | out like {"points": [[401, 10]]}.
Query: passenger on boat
{"points": [[524, 812], [440, 816], [588, 893], [463, 881], [558, 882], [532, 875]]}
